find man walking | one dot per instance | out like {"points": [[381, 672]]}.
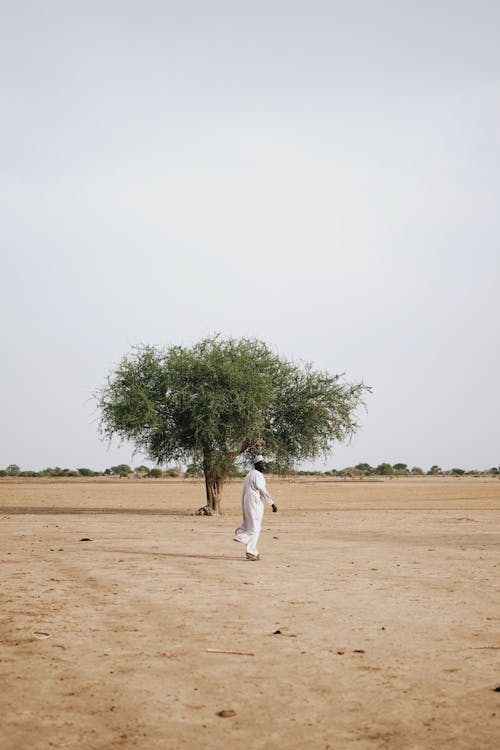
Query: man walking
{"points": [[252, 504]]}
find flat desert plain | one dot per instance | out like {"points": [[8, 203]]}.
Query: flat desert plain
{"points": [[371, 621]]}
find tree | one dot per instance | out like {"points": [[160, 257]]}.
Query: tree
{"points": [[364, 468], [122, 470], [13, 470], [384, 469], [221, 399]]}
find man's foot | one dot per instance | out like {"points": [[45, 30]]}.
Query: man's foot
{"points": [[252, 557]]}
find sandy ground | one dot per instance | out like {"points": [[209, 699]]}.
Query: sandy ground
{"points": [[387, 596]]}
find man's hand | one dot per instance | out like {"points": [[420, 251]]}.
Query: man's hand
{"points": [[275, 508]]}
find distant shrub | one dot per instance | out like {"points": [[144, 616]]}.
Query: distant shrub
{"points": [[365, 468], [384, 469], [57, 472], [84, 472], [52, 472], [122, 470], [351, 471], [155, 473], [13, 470]]}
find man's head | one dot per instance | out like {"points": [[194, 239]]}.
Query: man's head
{"points": [[259, 463]]}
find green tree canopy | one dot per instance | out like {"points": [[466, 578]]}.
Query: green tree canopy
{"points": [[364, 468], [122, 470], [435, 469], [223, 398], [384, 469]]}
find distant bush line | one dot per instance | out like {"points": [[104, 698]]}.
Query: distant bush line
{"points": [[143, 472]]}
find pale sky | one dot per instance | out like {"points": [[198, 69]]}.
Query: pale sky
{"points": [[323, 176]]}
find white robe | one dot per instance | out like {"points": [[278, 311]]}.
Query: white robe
{"points": [[252, 505]]}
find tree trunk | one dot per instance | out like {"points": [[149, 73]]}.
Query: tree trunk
{"points": [[213, 489]]}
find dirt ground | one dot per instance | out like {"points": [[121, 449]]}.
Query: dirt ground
{"points": [[371, 621]]}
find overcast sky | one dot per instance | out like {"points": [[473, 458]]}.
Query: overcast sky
{"points": [[322, 175]]}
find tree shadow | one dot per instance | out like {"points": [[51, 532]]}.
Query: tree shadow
{"points": [[187, 555], [19, 510]]}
